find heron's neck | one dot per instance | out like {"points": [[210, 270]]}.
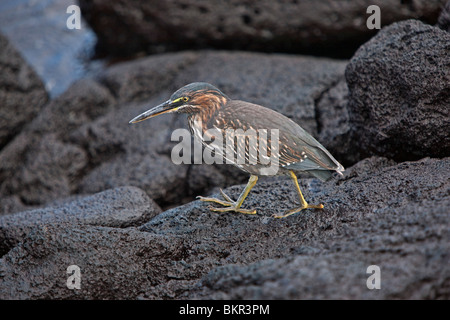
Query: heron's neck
{"points": [[208, 110]]}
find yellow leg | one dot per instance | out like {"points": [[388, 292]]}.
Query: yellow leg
{"points": [[229, 203], [303, 203]]}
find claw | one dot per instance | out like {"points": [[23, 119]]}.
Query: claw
{"points": [[223, 203], [226, 197], [233, 208], [295, 210], [229, 204]]}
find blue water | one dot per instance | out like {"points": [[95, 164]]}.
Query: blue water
{"points": [[37, 29]]}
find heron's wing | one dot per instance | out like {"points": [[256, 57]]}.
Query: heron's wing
{"points": [[297, 149]]}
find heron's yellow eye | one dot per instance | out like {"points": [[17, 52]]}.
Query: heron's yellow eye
{"points": [[182, 99]]}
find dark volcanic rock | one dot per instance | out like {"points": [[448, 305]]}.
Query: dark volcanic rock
{"points": [[399, 92], [329, 27], [114, 263], [40, 165], [444, 18], [338, 275], [143, 78], [333, 126], [391, 215], [22, 94], [120, 207]]}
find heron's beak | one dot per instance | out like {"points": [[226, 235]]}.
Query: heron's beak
{"points": [[165, 107]]}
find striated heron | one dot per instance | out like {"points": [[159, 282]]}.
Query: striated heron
{"points": [[296, 151]]}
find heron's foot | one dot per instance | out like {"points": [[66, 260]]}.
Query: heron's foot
{"points": [[228, 203], [295, 210]]}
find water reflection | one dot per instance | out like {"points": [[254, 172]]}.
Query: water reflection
{"points": [[38, 30]]}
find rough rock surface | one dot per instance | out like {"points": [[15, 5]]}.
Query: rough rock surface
{"points": [[333, 123], [444, 18], [40, 165], [22, 93], [391, 215], [120, 207], [329, 27], [399, 92]]}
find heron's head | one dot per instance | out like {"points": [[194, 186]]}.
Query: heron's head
{"points": [[192, 98]]}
